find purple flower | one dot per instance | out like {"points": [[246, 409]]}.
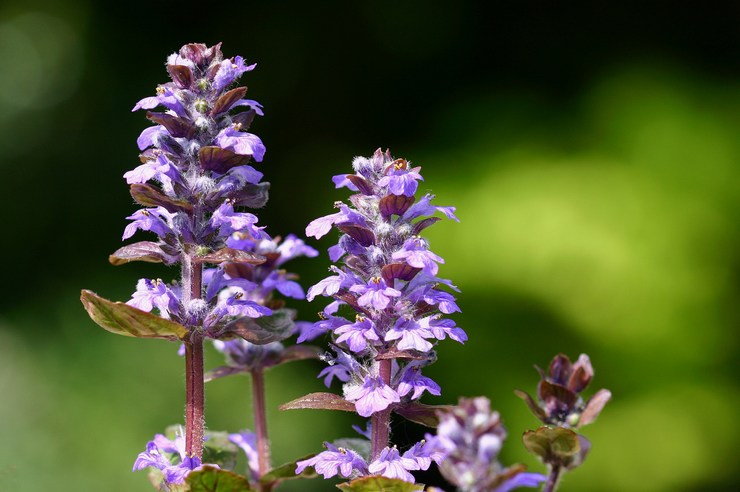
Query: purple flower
{"points": [[401, 180], [424, 208], [417, 255], [157, 220], [241, 353], [357, 334], [229, 71], [160, 169], [333, 461], [391, 464], [442, 327], [331, 285], [372, 396], [243, 143], [425, 451], [230, 221], [412, 380], [375, 293], [247, 441], [521, 480], [321, 226], [236, 306], [411, 334], [175, 467], [154, 293]]}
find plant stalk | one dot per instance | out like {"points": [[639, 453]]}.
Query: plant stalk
{"points": [[381, 421], [260, 420], [552, 479], [192, 283]]}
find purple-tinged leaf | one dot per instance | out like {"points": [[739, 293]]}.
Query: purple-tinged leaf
{"points": [[213, 158], [181, 75], [549, 392], [149, 196], [533, 406], [420, 413], [286, 471], [361, 446], [122, 319], [232, 256], [227, 100], [395, 205], [253, 196], [210, 479], [362, 235], [177, 127], [402, 354], [379, 484], [594, 406], [244, 118], [560, 369], [402, 271], [298, 352], [319, 401], [361, 184], [266, 329], [141, 251], [222, 372], [423, 224]]}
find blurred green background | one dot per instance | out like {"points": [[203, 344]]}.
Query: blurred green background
{"points": [[592, 152]]}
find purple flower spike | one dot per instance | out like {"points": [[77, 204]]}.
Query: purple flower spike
{"points": [[335, 461], [391, 464]]}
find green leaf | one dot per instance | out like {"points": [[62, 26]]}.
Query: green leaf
{"points": [[211, 479], [267, 329], [286, 471], [379, 484], [219, 450], [122, 319], [554, 445]]}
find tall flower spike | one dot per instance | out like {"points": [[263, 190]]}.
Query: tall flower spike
{"points": [[388, 278], [194, 178]]}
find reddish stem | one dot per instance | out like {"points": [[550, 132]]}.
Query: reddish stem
{"points": [[552, 479], [192, 283], [260, 421]]}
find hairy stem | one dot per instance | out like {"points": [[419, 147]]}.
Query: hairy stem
{"points": [[260, 421], [381, 421], [192, 283], [552, 479]]}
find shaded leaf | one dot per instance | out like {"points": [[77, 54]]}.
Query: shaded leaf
{"points": [[554, 445], [423, 224], [555, 395], [252, 195], [594, 406], [379, 484], [213, 158], [319, 401], [227, 100], [394, 353], [286, 471], [533, 406], [362, 235], [142, 251], [395, 205], [222, 372], [177, 127], [122, 319], [231, 255], [149, 196], [219, 450], [401, 271], [361, 183], [298, 352], [421, 413], [181, 75], [266, 329], [211, 479]]}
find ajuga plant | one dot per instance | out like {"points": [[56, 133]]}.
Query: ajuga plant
{"points": [[194, 179], [389, 309]]}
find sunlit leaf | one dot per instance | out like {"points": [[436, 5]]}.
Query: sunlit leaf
{"points": [[379, 484], [211, 479], [319, 401]]}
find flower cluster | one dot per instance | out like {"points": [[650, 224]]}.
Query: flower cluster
{"points": [[559, 391], [389, 280], [194, 174], [472, 436]]}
